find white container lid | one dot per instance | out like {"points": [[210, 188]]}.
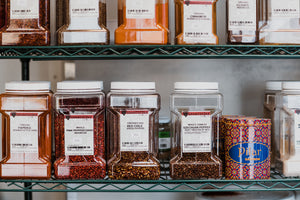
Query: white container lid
{"points": [[132, 86], [274, 85], [255, 195], [196, 86], [291, 85], [80, 86], [28, 86]]}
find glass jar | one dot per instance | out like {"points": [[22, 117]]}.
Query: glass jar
{"points": [[164, 142], [26, 123], [243, 21], [195, 111], [282, 25], [289, 159], [143, 22], [273, 89], [27, 23], [79, 130], [196, 22], [132, 114], [85, 23]]}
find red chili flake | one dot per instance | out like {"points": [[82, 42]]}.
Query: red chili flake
{"points": [[80, 166]]}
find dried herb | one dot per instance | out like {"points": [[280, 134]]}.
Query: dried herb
{"points": [[196, 166], [80, 166], [134, 166], [27, 31]]}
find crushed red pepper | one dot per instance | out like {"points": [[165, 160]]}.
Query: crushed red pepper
{"points": [[80, 166]]}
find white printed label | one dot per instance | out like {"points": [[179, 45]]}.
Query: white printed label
{"points": [[197, 27], [297, 129], [164, 143], [79, 135], [242, 15], [196, 128], [134, 130], [24, 131], [85, 37], [24, 9], [289, 8], [140, 9], [86, 8]]}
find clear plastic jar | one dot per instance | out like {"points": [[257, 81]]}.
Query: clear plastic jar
{"points": [[132, 114], [243, 21], [26, 125], [143, 22], [164, 142], [289, 160], [195, 111], [273, 89], [282, 25], [196, 22], [79, 130], [28, 23], [85, 23]]}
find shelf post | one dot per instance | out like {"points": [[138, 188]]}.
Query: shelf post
{"points": [[25, 77], [25, 69]]}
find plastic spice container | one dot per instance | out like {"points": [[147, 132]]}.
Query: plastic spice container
{"points": [[60, 13], [27, 23], [133, 127], [164, 148], [26, 125], [143, 22], [79, 130], [289, 159], [273, 89], [85, 23], [243, 21], [283, 25], [2, 13], [196, 22], [247, 148], [195, 111]]}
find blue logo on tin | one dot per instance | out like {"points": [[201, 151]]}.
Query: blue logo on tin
{"points": [[249, 153]]}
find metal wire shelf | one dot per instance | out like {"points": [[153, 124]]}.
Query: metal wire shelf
{"points": [[164, 184], [148, 52]]}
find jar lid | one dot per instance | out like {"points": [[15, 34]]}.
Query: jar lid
{"points": [[132, 86], [196, 86], [274, 85], [23, 86], [79, 86], [291, 85]]}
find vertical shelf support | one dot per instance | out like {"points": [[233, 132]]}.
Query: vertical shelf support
{"points": [[25, 77], [25, 69]]}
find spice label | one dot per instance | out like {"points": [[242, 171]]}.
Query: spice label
{"points": [[249, 153], [86, 8], [197, 25], [79, 135], [24, 131], [196, 131], [24, 9], [85, 37], [164, 141], [297, 129], [134, 130], [140, 9], [242, 15], [289, 8]]}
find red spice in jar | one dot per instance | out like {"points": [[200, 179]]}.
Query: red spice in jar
{"points": [[79, 134], [27, 23]]}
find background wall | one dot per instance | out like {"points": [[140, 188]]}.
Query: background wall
{"points": [[241, 82]]}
